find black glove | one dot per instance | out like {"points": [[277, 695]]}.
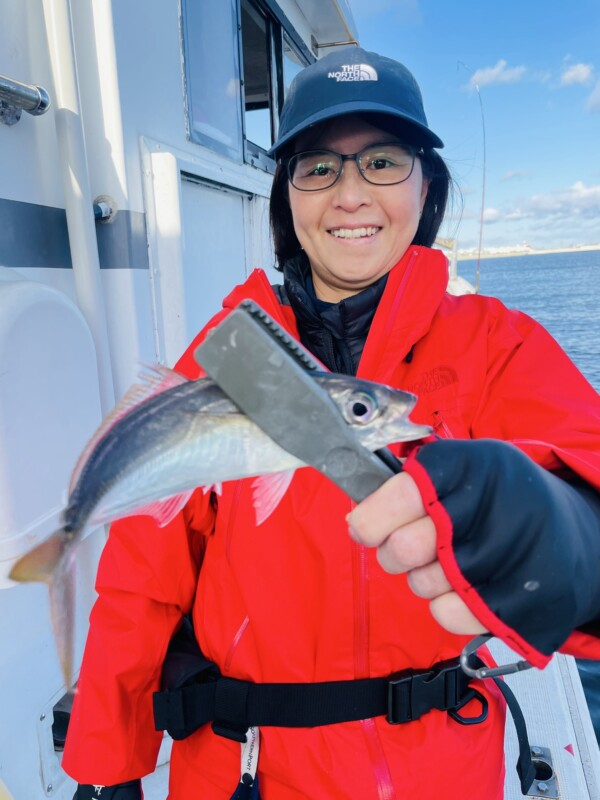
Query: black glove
{"points": [[518, 544], [132, 790]]}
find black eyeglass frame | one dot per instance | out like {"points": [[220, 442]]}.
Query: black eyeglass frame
{"points": [[416, 152]]}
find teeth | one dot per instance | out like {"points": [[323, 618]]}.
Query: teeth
{"points": [[353, 233]]}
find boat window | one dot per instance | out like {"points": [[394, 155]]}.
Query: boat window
{"points": [[238, 65], [257, 76], [270, 54], [212, 71]]}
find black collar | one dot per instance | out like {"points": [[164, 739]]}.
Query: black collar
{"points": [[334, 332]]}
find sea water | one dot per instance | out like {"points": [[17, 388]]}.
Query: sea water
{"points": [[562, 291]]}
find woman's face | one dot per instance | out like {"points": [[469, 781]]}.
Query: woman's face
{"points": [[344, 260]]}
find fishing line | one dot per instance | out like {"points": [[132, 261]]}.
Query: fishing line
{"points": [[481, 213]]}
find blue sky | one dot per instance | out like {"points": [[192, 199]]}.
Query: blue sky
{"points": [[537, 66]]}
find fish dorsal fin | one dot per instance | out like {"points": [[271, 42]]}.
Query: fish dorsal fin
{"points": [[267, 491], [217, 488], [153, 379]]}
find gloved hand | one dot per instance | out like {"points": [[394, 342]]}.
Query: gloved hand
{"points": [[132, 790], [518, 545]]}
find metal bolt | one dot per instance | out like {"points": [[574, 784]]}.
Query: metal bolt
{"points": [[42, 717], [9, 115], [49, 789], [542, 787], [536, 751]]}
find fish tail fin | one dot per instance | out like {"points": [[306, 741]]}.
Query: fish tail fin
{"points": [[4, 793], [40, 563], [52, 562]]}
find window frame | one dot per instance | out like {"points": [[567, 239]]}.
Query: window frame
{"points": [[189, 53], [278, 25]]}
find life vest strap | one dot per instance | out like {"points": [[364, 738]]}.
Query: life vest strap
{"points": [[232, 706]]}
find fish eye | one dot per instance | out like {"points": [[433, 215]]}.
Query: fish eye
{"points": [[361, 408]]}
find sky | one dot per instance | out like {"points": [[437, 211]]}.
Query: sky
{"points": [[513, 90]]}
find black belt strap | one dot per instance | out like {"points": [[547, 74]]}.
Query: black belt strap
{"points": [[234, 705]]}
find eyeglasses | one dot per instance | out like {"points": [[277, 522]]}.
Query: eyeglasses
{"points": [[381, 164]]}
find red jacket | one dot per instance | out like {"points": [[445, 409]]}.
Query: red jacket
{"points": [[297, 600]]}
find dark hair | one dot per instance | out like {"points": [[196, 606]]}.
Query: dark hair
{"points": [[286, 243]]}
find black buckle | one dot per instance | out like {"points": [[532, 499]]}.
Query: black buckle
{"points": [[412, 693], [472, 694]]}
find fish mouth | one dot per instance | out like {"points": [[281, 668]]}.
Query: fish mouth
{"points": [[365, 232]]}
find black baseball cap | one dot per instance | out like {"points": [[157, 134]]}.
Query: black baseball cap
{"points": [[353, 81]]}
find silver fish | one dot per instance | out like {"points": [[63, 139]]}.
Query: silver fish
{"points": [[169, 436]]}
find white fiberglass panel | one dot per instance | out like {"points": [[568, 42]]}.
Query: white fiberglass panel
{"points": [[214, 249]]}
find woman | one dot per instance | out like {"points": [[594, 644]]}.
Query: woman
{"points": [[494, 526]]}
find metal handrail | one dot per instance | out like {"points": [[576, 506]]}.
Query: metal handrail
{"points": [[24, 96]]}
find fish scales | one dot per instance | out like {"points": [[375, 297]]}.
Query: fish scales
{"points": [[190, 435], [170, 436]]}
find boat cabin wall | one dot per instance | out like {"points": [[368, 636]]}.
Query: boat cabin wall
{"points": [[29, 169], [161, 114], [160, 102], [146, 121]]}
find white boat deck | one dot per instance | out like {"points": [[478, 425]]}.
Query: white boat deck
{"points": [[557, 720]]}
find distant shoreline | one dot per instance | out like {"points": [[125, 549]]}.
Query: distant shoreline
{"points": [[532, 252]]}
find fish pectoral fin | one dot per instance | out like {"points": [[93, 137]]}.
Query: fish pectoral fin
{"points": [[165, 511], [39, 564], [267, 491]]}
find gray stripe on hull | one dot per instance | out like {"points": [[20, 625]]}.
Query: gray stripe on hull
{"points": [[36, 236]]}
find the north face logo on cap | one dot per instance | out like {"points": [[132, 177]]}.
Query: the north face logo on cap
{"points": [[354, 72]]}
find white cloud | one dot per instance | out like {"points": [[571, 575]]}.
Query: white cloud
{"points": [[492, 215], [500, 73], [544, 221], [576, 73], [518, 214], [593, 101], [578, 202], [513, 174]]}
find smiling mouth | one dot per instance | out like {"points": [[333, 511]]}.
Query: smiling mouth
{"points": [[354, 233]]}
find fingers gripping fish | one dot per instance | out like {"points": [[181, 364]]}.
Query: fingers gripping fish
{"points": [[167, 437]]}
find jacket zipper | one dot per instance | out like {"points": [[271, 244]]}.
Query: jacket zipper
{"points": [[228, 545], [381, 771], [230, 525]]}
